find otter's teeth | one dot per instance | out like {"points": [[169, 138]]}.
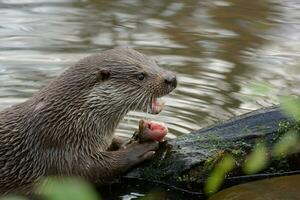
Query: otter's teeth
{"points": [[156, 106]]}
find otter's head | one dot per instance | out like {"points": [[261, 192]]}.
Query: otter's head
{"points": [[90, 98], [124, 80]]}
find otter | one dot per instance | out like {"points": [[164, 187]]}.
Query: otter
{"points": [[67, 128]]}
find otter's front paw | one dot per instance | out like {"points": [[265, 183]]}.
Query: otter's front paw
{"points": [[139, 152], [148, 131], [116, 144]]}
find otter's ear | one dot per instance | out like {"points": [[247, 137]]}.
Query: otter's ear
{"points": [[103, 75]]}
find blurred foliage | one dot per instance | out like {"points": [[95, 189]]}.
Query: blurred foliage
{"points": [[291, 106], [154, 195], [54, 188], [62, 188], [286, 144], [13, 198], [260, 89], [219, 173], [257, 159]]}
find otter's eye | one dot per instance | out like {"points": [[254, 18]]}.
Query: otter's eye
{"points": [[141, 76]]}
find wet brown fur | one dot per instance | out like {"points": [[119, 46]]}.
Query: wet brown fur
{"points": [[67, 127]]}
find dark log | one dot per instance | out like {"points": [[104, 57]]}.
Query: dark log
{"points": [[188, 163]]}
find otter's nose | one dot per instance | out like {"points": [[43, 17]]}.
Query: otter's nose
{"points": [[170, 79]]}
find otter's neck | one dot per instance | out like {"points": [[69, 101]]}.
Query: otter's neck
{"points": [[78, 120]]}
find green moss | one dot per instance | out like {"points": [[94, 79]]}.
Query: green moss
{"points": [[285, 126]]}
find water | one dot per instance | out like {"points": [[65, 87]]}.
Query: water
{"points": [[217, 48]]}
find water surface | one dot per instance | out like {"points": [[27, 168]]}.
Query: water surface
{"points": [[217, 48]]}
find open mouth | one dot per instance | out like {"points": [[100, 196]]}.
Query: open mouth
{"points": [[156, 105]]}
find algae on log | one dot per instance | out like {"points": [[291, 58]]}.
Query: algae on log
{"points": [[188, 163]]}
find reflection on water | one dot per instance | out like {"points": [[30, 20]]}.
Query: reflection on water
{"points": [[216, 47]]}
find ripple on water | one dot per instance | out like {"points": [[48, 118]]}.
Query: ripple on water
{"points": [[216, 48]]}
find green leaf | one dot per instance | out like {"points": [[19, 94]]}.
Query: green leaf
{"points": [[13, 198], [257, 160], [260, 88], [218, 175], [153, 195], [54, 188], [291, 106], [286, 144]]}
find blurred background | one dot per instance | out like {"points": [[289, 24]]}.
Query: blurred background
{"points": [[217, 48]]}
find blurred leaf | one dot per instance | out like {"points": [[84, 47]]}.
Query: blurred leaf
{"points": [[67, 188], [291, 106], [218, 175], [13, 198], [256, 160], [286, 144], [260, 88], [154, 195]]}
